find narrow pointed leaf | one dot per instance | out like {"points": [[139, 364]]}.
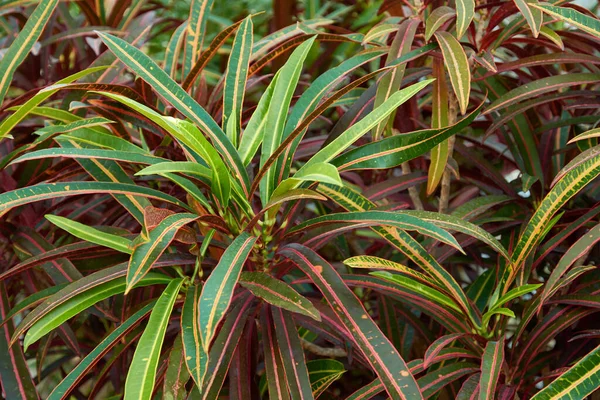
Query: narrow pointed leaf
{"points": [[235, 79], [45, 191], [60, 311], [63, 389], [395, 150], [434, 381], [436, 19], [465, 10], [92, 235], [224, 347], [292, 355], [567, 187], [323, 373], [218, 289], [573, 17], [541, 86], [578, 382], [491, 365], [532, 14], [438, 345], [275, 373], [196, 27], [287, 79], [278, 293], [24, 42], [196, 358], [357, 130], [398, 381], [142, 372], [391, 81], [458, 67], [371, 262], [179, 98], [145, 254], [378, 218]]}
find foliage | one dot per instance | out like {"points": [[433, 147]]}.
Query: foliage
{"points": [[322, 199]]}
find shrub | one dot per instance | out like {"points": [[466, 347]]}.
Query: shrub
{"points": [[381, 200]]}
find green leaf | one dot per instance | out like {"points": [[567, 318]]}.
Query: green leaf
{"points": [[207, 55], [139, 383], [469, 389], [533, 16], [63, 389], [56, 311], [541, 86], [196, 357], [356, 219], [235, 79], [437, 18], [285, 85], [94, 154], [573, 17], [185, 167], [592, 133], [568, 186], [173, 49], [278, 293], [314, 101], [437, 346], [439, 119], [45, 191], [357, 130], [427, 292], [218, 289], [371, 262], [491, 366], [353, 201], [457, 66], [255, 129], [189, 135], [465, 9], [395, 150], [323, 373], [576, 251], [22, 45], [179, 98], [577, 383], [381, 354], [92, 235], [32, 301], [196, 27], [453, 223], [367, 392], [514, 293], [379, 32], [11, 121], [145, 254], [391, 81], [552, 36]]}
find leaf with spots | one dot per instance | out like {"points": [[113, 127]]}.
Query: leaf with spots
{"points": [[381, 354]]}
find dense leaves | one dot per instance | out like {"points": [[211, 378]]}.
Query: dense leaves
{"points": [[299, 199]]}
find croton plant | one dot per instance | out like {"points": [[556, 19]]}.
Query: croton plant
{"points": [[384, 199]]}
